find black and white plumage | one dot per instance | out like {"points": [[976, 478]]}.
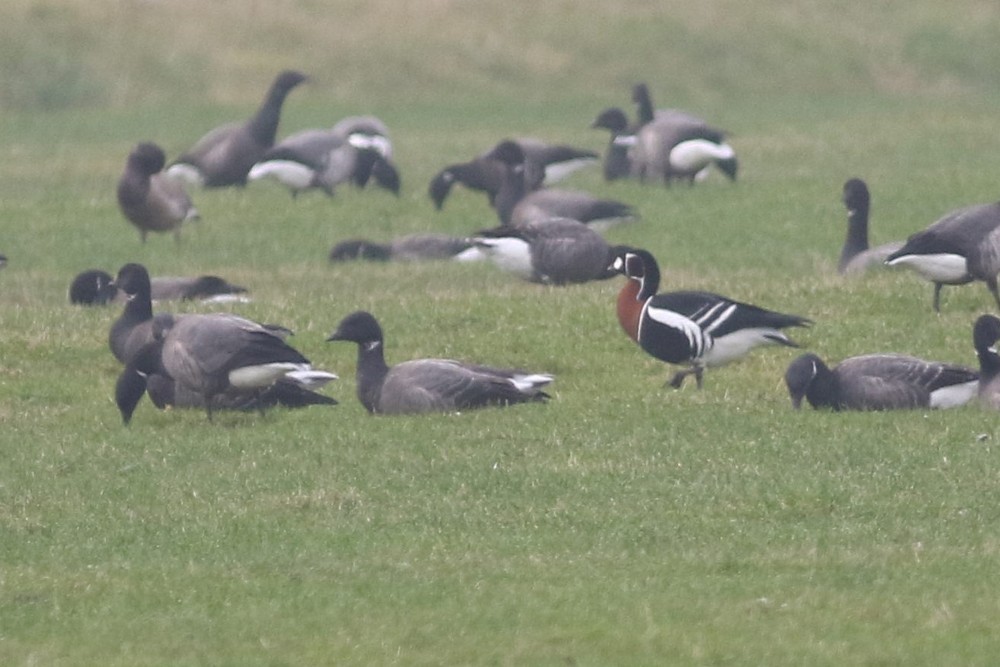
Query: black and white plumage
{"points": [[95, 287], [429, 385], [149, 199], [961, 247], [857, 256], [696, 329], [555, 251], [225, 155], [409, 248], [879, 382], [985, 334]]}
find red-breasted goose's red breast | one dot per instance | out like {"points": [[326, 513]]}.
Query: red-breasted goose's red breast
{"points": [[985, 335], [696, 329], [429, 385], [962, 246], [879, 382], [225, 155], [150, 200], [856, 256]]}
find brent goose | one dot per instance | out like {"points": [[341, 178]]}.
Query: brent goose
{"points": [[617, 162], [149, 199], [95, 287], [555, 251], [879, 382], [165, 393], [3, 261], [672, 149], [225, 155], [962, 246], [699, 329], [856, 256], [429, 385], [985, 334], [409, 248]]}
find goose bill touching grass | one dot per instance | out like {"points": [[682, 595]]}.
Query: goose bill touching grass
{"points": [[961, 247], [879, 382], [697, 329], [429, 385]]}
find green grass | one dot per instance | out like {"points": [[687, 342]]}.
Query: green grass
{"points": [[622, 523]]}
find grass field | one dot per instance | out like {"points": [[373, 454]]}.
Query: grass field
{"points": [[620, 524]]}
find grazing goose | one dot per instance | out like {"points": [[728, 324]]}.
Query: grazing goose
{"points": [[211, 356], [225, 155], [699, 329], [148, 199], [95, 287], [165, 393], [985, 334], [961, 247], [555, 251], [429, 385], [545, 164], [410, 248], [517, 205], [879, 382], [856, 257]]}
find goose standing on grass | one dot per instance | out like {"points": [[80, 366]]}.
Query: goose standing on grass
{"points": [[985, 334], [409, 248], [150, 200], [429, 385], [555, 251], [856, 256], [95, 287], [224, 156], [617, 163], [879, 382], [961, 247], [698, 329], [517, 205]]}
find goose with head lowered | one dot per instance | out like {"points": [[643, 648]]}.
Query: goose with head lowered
{"points": [[150, 200], [429, 385], [879, 382], [962, 246], [985, 335], [95, 287], [408, 248], [696, 329], [856, 256], [224, 156]]}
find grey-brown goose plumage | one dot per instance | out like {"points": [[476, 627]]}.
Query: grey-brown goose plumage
{"points": [[224, 156], [429, 385], [149, 199], [985, 334], [879, 382], [857, 256], [409, 248]]}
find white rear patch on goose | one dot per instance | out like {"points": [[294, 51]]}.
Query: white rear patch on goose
{"points": [[954, 395], [186, 173], [941, 267], [288, 172], [262, 375], [737, 344]]}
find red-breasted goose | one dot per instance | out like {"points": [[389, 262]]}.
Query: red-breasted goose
{"points": [[856, 256], [985, 334], [961, 247], [150, 200], [224, 156], [697, 329], [429, 385], [409, 248], [879, 382]]}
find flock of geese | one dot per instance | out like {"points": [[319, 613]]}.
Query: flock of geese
{"points": [[545, 234]]}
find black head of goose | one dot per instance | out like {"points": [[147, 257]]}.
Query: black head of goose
{"points": [[481, 174], [224, 156], [134, 327], [147, 198], [856, 256], [409, 248], [985, 334], [696, 329], [879, 382], [92, 287], [214, 355], [429, 385], [95, 287], [962, 246], [617, 163], [555, 251]]}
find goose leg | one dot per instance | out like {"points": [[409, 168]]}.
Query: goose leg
{"points": [[937, 297], [992, 284], [678, 379]]}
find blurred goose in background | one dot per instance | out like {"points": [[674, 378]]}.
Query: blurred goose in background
{"points": [[516, 204], [617, 163], [698, 329], [224, 156], [879, 382], [646, 113], [985, 334], [429, 385], [856, 256], [95, 287], [962, 246], [555, 251], [544, 164], [410, 248], [148, 199], [3, 261]]}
